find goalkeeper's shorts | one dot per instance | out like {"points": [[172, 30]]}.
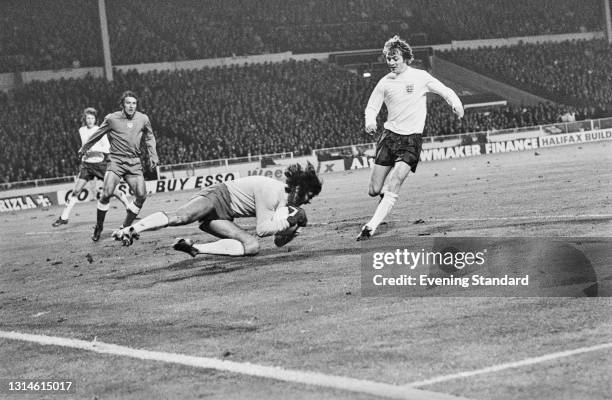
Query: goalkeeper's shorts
{"points": [[392, 147], [219, 196]]}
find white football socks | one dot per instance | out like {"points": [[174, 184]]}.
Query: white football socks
{"points": [[151, 222], [384, 207], [72, 200], [224, 247]]}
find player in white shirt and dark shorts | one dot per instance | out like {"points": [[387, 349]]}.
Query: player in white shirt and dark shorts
{"points": [[398, 150], [216, 207], [93, 165]]}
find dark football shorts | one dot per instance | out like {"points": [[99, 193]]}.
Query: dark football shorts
{"points": [[88, 171], [220, 197], [392, 148], [125, 166]]}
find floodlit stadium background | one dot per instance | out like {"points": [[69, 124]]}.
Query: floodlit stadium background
{"points": [[531, 159]]}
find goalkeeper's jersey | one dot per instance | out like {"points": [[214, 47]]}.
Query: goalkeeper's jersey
{"points": [[244, 191], [259, 196]]}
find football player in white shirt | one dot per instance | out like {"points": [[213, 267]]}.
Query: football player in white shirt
{"points": [[93, 165], [403, 91], [216, 206]]}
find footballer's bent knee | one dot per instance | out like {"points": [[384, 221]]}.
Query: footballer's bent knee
{"points": [[105, 197], [374, 191], [251, 246]]}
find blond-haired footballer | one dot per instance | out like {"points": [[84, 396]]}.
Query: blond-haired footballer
{"points": [[403, 91]]}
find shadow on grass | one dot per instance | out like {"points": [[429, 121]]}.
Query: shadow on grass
{"points": [[213, 265]]}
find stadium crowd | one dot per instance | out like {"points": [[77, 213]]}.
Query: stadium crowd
{"points": [[573, 72], [39, 34], [215, 113]]}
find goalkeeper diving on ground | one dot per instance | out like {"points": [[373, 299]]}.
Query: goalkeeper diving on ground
{"points": [[275, 204]]}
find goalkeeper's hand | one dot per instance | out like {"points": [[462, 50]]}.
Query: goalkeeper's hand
{"points": [[297, 216]]}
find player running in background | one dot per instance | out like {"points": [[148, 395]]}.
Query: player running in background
{"points": [[398, 149], [93, 165], [216, 207], [125, 129]]}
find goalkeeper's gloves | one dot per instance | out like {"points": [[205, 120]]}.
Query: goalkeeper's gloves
{"points": [[297, 216]]}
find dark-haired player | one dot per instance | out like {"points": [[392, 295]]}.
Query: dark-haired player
{"points": [[216, 207], [125, 129], [93, 165], [403, 91]]}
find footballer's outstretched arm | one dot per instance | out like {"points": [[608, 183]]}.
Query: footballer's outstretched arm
{"points": [[437, 87], [97, 135]]}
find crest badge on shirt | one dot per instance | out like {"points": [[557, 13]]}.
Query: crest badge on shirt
{"points": [[130, 125], [410, 88]]}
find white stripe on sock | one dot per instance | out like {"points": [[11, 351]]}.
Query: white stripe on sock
{"points": [[103, 207]]}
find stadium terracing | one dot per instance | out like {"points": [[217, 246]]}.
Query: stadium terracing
{"points": [[307, 83]]}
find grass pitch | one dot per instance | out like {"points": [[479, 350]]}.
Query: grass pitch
{"points": [[300, 307]]}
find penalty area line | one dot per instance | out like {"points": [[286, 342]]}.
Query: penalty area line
{"points": [[277, 373], [509, 365]]}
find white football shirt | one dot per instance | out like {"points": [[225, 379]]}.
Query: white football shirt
{"points": [[405, 96], [97, 151]]}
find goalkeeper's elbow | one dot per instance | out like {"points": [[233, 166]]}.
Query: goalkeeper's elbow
{"points": [[262, 232]]}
